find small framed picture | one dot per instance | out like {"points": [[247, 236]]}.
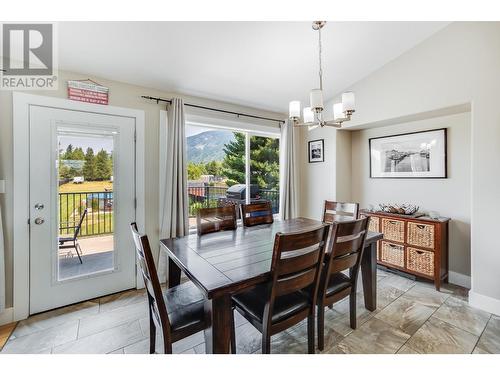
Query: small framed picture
{"points": [[411, 155], [316, 151]]}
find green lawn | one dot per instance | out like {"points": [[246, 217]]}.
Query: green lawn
{"points": [[71, 205]]}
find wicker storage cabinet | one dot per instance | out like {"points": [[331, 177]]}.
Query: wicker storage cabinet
{"points": [[392, 254], [416, 245]]}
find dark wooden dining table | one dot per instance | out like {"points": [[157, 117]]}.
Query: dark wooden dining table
{"points": [[224, 263]]}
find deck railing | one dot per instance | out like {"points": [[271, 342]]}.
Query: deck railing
{"points": [[99, 218], [209, 196]]}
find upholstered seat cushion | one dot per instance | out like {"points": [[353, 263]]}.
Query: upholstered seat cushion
{"points": [[185, 306], [251, 304], [338, 282]]}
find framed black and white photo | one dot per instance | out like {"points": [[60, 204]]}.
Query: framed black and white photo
{"points": [[411, 155], [316, 151]]}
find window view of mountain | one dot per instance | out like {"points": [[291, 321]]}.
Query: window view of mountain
{"points": [[208, 146]]}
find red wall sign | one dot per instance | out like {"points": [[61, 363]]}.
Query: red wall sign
{"points": [[88, 91]]}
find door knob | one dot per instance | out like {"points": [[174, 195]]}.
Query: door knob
{"points": [[39, 221]]}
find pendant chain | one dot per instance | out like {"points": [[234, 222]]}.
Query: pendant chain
{"points": [[320, 63]]}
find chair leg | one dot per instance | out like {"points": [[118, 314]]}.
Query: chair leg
{"points": [[266, 342], [321, 327], [152, 334], [310, 333], [233, 334], [78, 251], [352, 309]]}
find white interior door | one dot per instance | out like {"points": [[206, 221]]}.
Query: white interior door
{"points": [[82, 179]]}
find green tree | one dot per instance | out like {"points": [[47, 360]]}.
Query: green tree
{"points": [[264, 161], [214, 167], [89, 168], [78, 154], [195, 171], [233, 165], [68, 155], [102, 166]]}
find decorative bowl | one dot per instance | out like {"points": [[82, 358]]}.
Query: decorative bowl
{"points": [[401, 209]]}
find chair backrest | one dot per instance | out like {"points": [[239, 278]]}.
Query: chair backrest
{"points": [[339, 211], [158, 309], [257, 213], [79, 226], [296, 264], [216, 219], [345, 249]]}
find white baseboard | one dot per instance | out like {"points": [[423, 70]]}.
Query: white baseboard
{"points": [[459, 279], [480, 301], [7, 316]]}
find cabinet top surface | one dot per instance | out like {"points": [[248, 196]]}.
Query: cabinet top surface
{"points": [[441, 219]]}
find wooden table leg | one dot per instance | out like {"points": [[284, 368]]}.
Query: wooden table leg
{"points": [[369, 276], [174, 274], [218, 332]]}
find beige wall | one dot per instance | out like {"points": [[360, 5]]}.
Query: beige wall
{"points": [[458, 65], [121, 95], [450, 197], [317, 180]]}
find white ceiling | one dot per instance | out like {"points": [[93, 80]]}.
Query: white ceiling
{"points": [[257, 64]]}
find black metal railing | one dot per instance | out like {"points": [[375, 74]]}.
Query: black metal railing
{"points": [[99, 217], [210, 196]]}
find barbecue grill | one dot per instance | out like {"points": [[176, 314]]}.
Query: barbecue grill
{"points": [[236, 194]]}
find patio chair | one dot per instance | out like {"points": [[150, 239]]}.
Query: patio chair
{"points": [[73, 241]]}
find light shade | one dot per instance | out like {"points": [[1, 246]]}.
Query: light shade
{"points": [[338, 111], [294, 109], [348, 101], [316, 97], [308, 115]]}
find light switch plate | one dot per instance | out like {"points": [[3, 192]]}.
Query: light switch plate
{"points": [[2, 186]]}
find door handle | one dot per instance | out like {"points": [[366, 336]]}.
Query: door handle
{"points": [[39, 221]]}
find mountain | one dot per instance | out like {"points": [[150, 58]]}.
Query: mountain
{"points": [[208, 146]]}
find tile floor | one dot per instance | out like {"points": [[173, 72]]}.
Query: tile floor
{"points": [[411, 317]]}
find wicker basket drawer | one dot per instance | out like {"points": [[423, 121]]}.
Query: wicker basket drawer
{"points": [[374, 224], [420, 261], [393, 230], [421, 235], [392, 254]]}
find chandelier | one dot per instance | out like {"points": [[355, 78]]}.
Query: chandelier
{"points": [[312, 116]]}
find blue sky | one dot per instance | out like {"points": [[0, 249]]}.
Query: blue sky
{"points": [[193, 130], [96, 143]]}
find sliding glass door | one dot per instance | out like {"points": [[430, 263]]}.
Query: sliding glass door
{"points": [[228, 166]]}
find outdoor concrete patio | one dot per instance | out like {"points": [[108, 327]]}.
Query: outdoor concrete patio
{"points": [[97, 256]]}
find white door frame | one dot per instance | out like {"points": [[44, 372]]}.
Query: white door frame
{"points": [[21, 109]]}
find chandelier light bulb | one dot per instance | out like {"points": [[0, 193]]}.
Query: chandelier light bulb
{"points": [[308, 115], [338, 111], [294, 109], [348, 101], [316, 97]]}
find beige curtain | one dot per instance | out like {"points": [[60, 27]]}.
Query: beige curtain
{"points": [[288, 172], [2, 266], [174, 221]]}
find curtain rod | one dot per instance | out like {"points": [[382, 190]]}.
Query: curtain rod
{"points": [[214, 109]]}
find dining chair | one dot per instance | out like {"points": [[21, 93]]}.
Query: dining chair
{"points": [[344, 252], [339, 211], [178, 312], [257, 213], [73, 240], [290, 295], [215, 219]]}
